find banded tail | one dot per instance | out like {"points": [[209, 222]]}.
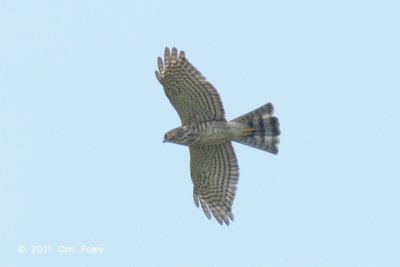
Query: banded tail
{"points": [[261, 129]]}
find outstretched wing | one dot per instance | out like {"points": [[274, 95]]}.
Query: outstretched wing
{"points": [[193, 97], [215, 174]]}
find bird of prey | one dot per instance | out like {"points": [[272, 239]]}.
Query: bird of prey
{"points": [[213, 164]]}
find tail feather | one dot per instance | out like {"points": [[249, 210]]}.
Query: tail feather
{"points": [[261, 129]]}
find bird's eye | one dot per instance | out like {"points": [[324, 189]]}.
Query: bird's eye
{"points": [[166, 136]]}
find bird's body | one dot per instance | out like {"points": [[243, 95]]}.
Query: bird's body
{"points": [[207, 133]]}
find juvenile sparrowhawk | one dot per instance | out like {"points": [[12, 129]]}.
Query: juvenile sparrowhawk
{"points": [[213, 164]]}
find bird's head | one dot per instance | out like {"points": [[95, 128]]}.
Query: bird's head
{"points": [[181, 135]]}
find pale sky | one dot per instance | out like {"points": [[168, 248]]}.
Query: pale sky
{"points": [[83, 166]]}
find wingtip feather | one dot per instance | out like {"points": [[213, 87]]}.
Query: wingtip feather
{"points": [[167, 57], [181, 55], [158, 76], [160, 64]]}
